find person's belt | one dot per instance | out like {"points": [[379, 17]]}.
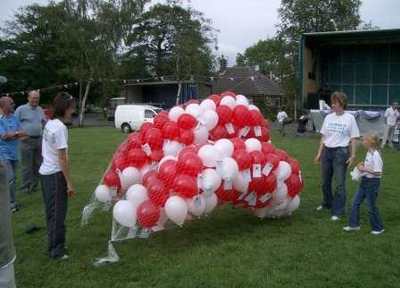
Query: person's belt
{"points": [[35, 137]]}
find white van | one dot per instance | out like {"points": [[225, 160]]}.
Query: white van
{"points": [[129, 118]]}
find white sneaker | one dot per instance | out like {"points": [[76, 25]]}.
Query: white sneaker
{"points": [[319, 208], [373, 232], [349, 228], [335, 218]]}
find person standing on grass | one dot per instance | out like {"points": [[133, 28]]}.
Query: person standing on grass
{"points": [[10, 133], [7, 251], [32, 119], [55, 174], [339, 130], [391, 115], [282, 118], [371, 172]]}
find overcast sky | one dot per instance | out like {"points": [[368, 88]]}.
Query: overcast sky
{"points": [[242, 23]]}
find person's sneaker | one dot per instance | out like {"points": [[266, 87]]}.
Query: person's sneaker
{"points": [[63, 258], [319, 208], [349, 228], [374, 232], [335, 218]]}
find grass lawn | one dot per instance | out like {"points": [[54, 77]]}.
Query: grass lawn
{"points": [[229, 249]]}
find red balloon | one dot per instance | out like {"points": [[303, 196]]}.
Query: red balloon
{"points": [[267, 148], [134, 141], [160, 120], [187, 121], [154, 138], [283, 156], [270, 183], [257, 185], [259, 158], [243, 159], [120, 163], [111, 179], [224, 114], [216, 98], [235, 197], [189, 164], [137, 158], [256, 118], [186, 136], [224, 195], [167, 172], [143, 129], [156, 155], [188, 149], [294, 185], [241, 116], [170, 130], [185, 186], [219, 132], [294, 164], [238, 144], [264, 135], [158, 193], [149, 178], [273, 159], [148, 214]]}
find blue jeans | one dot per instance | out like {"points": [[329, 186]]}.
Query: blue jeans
{"points": [[334, 166], [11, 168], [369, 188]]}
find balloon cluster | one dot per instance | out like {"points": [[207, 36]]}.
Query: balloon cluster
{"points": [[198, 156]]}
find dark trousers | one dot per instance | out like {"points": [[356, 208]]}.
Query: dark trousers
{"points": [[55, 198], [369, 188], [334, 166], [31, 158]]}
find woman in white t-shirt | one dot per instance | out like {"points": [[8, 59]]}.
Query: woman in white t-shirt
{"points": [[335, 154], [371, 171], [54, 171]]}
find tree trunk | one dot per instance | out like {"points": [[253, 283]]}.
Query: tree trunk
{"points": [[83, 104], [178, 94]]}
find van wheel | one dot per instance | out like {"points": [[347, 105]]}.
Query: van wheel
{"points": [[126, 128]]}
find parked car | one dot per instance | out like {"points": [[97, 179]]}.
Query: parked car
{"points": [[129, 118]]}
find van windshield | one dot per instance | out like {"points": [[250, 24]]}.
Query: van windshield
{"points": [[149, 114]]}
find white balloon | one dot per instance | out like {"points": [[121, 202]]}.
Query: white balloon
{"points": [[242, 100], [176, 209], [209, 119], [283, 171], [129, 177], [200, 135], [280, 194], [103, 193], [166, 158], [253, 107], [171, 147], [224, 147], [211, 203], [125, 213], [175, 112], [137, 194], [229, 169], [294, 204], [196, 205], [208, 155], [228, 101], [240, 183], [262, 212], [253, 144], [208, 104], [194, 110], [210, 181]]}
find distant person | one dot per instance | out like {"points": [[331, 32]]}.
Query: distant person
{"points": [[7, 251], [302, 124], [55, 174], [32, 119], [10, 133], [335, 154], [391, 115], [371, 172], [283, 119]]}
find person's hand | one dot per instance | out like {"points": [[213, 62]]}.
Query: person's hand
{"points": [[350, 161], [317, 158], [70, 190]]}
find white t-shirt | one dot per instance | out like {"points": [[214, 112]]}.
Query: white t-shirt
{"points": [[338, 130], [281, 116], [55, 138], [391, 116], [373, 161]]}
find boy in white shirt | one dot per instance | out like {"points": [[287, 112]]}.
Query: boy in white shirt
{"points": [[391, 115], [371, 171], [282, 118]]}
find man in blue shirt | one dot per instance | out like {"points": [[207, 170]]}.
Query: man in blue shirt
{"points": [[10, 132], [32, 119]]}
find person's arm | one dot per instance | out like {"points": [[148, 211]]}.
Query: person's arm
{"points": [[320, 149], [353, 150], [63, 158]]}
